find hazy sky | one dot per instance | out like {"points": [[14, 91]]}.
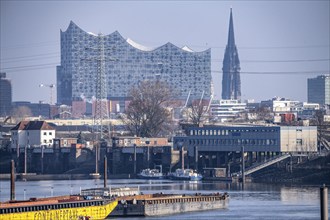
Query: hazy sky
{"points": [[280, 43]]}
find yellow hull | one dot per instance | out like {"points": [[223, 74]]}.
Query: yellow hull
{"points": [[94, 212]]}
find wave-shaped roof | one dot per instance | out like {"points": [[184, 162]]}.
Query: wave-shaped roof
{"points": [[131, 42], [138, 46]]}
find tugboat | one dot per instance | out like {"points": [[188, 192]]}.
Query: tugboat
{"points": [[185, 174], [150, 174]]}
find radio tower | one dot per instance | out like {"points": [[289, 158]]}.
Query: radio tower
{"points": [[101, 102]]}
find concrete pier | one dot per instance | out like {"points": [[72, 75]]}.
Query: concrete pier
{"points": [[105, 172], [243, 166], [12, 180]]}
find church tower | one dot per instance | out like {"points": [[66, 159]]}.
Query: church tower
{"points": [[231, 80]]}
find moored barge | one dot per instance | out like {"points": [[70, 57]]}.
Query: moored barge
{"points": [[61, 207], [167, 204]]}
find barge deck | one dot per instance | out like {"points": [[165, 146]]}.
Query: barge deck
{"points": [[167, 204]]}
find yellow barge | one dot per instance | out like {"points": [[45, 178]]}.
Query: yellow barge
{"points": [[62, 207]]}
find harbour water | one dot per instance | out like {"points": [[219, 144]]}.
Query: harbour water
{"points": [[254, 201]]}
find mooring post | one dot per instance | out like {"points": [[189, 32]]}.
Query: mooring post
{"points": [[324, 202], [196, 158], [97, 158], [182, 158], [25, 159], [105, 175], [12, 180], [134, 159], [243, 166]]}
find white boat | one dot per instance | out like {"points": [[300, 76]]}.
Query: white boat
{"points": [[185, 174], [150, 174]]}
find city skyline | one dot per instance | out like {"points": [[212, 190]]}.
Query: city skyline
{"points": [[281, 44]]}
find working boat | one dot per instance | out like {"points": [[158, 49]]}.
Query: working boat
{"points": [[150, 174], [185, 174], [61, 207]]}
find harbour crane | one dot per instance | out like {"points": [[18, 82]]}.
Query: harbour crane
{"points": [[51, 87]]}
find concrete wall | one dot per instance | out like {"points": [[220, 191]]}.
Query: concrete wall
{"points": [[299, 139]]}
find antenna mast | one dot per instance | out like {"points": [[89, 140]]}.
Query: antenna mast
{"points": [[101, 102]]}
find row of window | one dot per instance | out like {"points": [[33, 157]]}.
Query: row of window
{"points": [[226, 132], [28, 133], [235, 142], [45, 141]]}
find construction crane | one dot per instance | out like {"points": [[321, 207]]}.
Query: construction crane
{"points": [[51, 87]]}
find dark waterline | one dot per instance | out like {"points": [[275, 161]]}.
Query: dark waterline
{"points": [[256, 201]]}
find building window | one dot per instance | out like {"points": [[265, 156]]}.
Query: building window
{"points": [[45, 141], [299, 141], [50, 133], [45, 133], [50, 141]]}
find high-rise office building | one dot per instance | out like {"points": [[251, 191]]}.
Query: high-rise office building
{"points": [[231, 80], [5, 95], [127, 63], [319, 90]]}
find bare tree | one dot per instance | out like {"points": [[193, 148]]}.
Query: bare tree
{"points": [[197, 112], [147, 114], [263, 113]]}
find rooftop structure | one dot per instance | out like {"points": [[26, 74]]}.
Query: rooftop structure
{"points": [[222, 110]]}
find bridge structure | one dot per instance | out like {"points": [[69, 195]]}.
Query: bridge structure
{"points": [[268, 162]]}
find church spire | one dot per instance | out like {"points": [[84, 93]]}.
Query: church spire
{"points": [[231, 36], [231, 80]]}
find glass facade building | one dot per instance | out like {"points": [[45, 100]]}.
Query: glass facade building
{"points": [[319, 90], [127, 63], [5, 95]]}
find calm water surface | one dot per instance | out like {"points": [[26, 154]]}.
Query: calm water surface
{"points": [[255, 201]]}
